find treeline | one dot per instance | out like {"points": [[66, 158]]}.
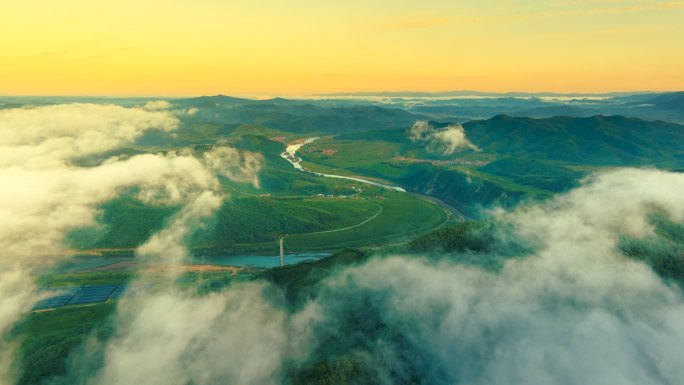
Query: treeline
{"points": [[461, 237]]}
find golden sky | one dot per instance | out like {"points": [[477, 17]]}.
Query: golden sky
{"points": [[296, 47]]}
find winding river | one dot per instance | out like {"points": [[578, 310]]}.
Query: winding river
{"points": [[290, 155]]}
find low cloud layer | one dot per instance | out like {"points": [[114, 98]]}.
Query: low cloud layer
{"points": [[241, 335], [571, 311], [48, 137], [574, 311], [446, 140], [156, 105], [44, 196], [239, 166], [232, 337]]}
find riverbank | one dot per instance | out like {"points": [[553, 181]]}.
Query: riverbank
{"points": [[290, 154]]}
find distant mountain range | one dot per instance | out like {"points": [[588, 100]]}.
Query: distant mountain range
{"points": [[482, 93], [297, 115], [671, 101]]}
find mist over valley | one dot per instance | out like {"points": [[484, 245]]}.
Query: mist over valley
{"points": [[427, 239]]}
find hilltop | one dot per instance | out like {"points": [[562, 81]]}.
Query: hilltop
{"points": [[596, 140]]}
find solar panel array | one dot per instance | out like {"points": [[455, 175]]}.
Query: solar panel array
{"points": [[118, 292], [60, 298], [92, 294], [80, 295]]}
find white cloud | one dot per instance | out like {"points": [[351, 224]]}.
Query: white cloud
{"points": [[48, 136], [447, 140], [235, 165], [168, 245], [573, 311], [156, 105], [43, 196], [231, 337]]}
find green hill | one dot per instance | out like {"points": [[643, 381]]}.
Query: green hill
{"points": [[535, 173], [597, 140], [670, 101], [291, 115], [465, 236]]}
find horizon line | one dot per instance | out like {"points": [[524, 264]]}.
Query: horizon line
{"points": [[408, 93]]}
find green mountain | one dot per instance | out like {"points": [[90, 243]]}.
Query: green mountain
{"points": [[466, 193], [292, 115], [670, 101], [532, 172], [596, 140]]}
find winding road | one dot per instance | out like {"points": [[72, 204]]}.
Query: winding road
{"points": [[340, 229]]}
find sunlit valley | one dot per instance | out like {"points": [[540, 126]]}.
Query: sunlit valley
{"points": [[339, 240], [307, 193]]}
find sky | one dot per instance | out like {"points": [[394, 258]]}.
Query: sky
{"points": [[305, 47]]}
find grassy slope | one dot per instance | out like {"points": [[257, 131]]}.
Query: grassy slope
{"points": [[48, 337], [532, 157], [247, 220], [403, 216], [597, 140], [299, 281], [463, 187]]}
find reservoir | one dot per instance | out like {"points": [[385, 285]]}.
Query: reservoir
{"points": [[89, 263], [262, 261]]}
